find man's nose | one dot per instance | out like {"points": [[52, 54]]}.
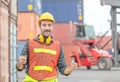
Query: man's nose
{"points": [[47, 27]]}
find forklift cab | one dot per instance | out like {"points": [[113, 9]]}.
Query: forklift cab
{"points": [[85, 34]]}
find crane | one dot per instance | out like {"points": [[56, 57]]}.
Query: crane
{"points": [[115, 4]]}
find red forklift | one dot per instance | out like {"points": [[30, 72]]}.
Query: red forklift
{"points": [[90, 53]]}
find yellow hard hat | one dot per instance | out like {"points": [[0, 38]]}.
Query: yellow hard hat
{"points": [[46, 16]]}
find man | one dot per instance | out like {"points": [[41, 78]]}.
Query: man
{"points": [[42, 55]]}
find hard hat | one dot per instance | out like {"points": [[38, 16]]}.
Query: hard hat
{"points": [[46, 16]]}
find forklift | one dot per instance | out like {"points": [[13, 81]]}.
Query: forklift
{"points": [[89, 52]]}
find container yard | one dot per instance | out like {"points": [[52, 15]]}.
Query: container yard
{"points": [[19, 22]]}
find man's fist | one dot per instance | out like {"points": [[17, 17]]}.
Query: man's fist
{"points": [[71, 68], [21, 62], [23, 59]]}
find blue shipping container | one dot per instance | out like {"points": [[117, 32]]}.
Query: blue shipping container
{"points": [[64, 11], [29, 6]]}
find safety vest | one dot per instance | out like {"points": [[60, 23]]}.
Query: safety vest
{"points": [[43, 60]]}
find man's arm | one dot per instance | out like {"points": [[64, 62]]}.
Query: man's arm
{"points": [[21, 62], [70, 68], [23, 58], [62, 67]]}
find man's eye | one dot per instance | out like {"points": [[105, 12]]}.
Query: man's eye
{"points": [[49, 24], [44, 25]]}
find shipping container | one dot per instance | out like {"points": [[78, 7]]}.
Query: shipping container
{"points": [[64, 10], [29, 6], [8, 16], [27, 26], [63, 32], [4, 42]]}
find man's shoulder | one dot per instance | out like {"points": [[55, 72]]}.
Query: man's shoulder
{"points": [[33, 39]]}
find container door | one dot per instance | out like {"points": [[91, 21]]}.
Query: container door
{"points": [[13, 54]]}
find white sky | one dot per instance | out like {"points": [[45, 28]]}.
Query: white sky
{"points": [[97, 15]]}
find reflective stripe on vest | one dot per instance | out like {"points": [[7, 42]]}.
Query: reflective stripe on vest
{"points": [[29, 79], [47, 68], [49, 51]]}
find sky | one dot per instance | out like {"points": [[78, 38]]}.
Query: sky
{"points": [[97, 15]]}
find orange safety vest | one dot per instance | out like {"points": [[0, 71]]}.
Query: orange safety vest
{"points": [[43, 60]]}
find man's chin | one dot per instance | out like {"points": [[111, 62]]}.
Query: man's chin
{"points": [[46, 36]]}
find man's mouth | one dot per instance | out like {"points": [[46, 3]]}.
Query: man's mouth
{"points": [[47, 31]]}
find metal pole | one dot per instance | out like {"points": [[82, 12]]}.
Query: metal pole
{"points": [[114, 34]]}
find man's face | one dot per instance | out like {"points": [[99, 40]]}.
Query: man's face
{"points": [[46, 27]]}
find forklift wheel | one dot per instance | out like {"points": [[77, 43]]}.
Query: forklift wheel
{"points": [[104, 63], [88, 67]]}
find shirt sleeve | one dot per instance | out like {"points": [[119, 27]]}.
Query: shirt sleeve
{"points": [[25, 49], [61, 62], [24, 52]]}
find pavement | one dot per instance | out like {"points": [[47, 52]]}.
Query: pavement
{"points": [[84, 75]]}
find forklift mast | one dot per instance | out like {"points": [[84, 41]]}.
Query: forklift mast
{"points": [[86, 34]]}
